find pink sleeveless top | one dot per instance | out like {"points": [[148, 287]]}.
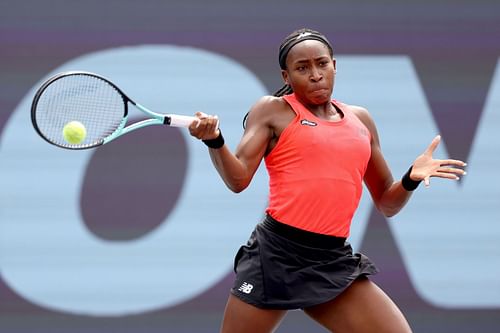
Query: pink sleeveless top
{"points": [[316, 171]]}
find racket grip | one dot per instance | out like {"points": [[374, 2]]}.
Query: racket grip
{"points": [[179, 121]]}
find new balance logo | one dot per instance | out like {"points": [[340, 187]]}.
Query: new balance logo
{"points": [[308, 122], [246, 288]]}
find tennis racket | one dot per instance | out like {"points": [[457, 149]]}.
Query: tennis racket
{"points": [[96, 103]]}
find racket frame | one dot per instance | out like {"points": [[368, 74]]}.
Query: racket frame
{"points": [[154, 117]]}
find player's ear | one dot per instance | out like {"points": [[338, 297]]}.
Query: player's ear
{"points": [[284, 75], [334, 65]]}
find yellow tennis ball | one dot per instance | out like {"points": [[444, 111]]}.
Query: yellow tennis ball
{"points": [[74, 132]]}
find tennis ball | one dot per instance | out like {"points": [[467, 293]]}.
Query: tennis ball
{"points": [[74, 132]]}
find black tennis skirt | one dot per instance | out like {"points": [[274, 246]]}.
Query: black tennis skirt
{"points": [[282, 267]]}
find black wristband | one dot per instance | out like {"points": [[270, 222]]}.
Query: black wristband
{"points": [[216, 143], [408, 183]]}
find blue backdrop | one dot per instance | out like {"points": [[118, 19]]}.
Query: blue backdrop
{"points": [[139, 235]]}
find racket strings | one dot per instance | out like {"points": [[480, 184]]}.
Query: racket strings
{"points": [[92, 101]]}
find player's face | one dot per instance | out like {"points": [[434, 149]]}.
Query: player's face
{"points": [[310, 72]]}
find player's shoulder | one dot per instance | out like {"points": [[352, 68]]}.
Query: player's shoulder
{"points": [[359, 111], [267, 110], [270, 102], [268, 106]]}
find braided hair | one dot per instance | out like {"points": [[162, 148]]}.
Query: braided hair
{"points": [[290, 41]]}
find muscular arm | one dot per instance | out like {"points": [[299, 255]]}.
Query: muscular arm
{"points": [[237, 170], [388, 195]]}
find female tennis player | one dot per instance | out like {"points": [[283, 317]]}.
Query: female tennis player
{"points": [[317, 152]]}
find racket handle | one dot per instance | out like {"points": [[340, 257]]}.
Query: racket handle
{"points": [[178, 120]]}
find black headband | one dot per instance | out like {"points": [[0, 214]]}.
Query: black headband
{"points": [[286, 47]]}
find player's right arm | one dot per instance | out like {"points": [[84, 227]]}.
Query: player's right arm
{"points": [[237, 169]]}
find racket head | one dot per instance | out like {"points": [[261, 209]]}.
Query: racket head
{"points": [[86, 97]]}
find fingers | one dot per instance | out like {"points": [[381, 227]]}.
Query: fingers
{"points": [[427, 181], [427, 167], [452, 171], [452, 176], [206, 128], [447, 173], [432, 147], [453, 162]]}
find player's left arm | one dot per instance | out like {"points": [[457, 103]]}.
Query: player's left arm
{"points": [[389, 196]]}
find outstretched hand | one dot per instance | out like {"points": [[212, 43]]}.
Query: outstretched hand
{"points": [[425, 166]]}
